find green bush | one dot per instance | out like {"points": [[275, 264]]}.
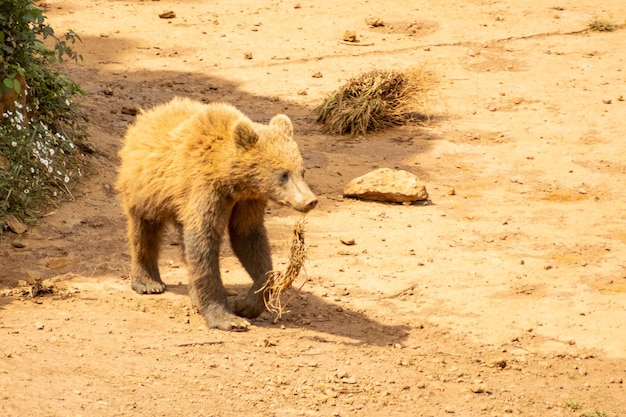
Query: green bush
{"points": [[40, 125]]}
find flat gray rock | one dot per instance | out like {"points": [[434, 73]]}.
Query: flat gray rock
{"points": [[387, 185]]}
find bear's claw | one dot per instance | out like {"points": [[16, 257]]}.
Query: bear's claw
{"points": [[151, 287]]}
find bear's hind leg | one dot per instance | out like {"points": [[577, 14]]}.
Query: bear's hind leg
{"points": [[248, 238], [145, 239]]}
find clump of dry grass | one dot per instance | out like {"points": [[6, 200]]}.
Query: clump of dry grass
{"points": [[602, 25], [278, 282], [39, 287], [376, 100]]}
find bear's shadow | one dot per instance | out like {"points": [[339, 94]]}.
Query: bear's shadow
{"points": [[308, 311]]}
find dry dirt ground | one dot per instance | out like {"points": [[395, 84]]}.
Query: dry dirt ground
{"points": [[505, 296]]}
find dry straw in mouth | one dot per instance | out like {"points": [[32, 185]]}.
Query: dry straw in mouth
{"points": [[278, 282]]}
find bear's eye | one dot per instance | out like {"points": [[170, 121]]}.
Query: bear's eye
{"points": [[284, 177]]}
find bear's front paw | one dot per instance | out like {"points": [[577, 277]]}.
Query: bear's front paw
{"points": [[218, 318], [148, 286]]}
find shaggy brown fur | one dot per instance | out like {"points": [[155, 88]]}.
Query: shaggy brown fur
{"points": [[207, 168]]}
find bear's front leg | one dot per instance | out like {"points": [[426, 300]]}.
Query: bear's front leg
{"points": [[249, 241], [207, 291], [145, 238]]}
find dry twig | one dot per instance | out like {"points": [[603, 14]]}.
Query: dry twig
{"points": [[278, 282]]}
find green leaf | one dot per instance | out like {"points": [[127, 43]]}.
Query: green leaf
{"points": [[17, 86], [47, 31], [8, 83]]}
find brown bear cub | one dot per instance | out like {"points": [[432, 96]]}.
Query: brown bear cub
{"points": [[207, 168]]}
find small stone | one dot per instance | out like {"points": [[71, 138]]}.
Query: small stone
{"points": [[130, 110], [330, 393], [349, 380], [374, 22], [477, 389], [15, 225], [498, 363], [265, 342], [39, 325], [167, 15], [349, 36]]}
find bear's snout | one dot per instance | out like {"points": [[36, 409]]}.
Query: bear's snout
{"points": [[309, 206], [305, 202], [299, 196]]}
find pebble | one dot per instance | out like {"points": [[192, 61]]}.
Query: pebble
{"points": [[349, 380]]}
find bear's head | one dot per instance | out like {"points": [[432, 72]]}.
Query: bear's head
{"points": [[274, 163]]}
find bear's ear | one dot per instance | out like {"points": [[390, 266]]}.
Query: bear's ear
{"points": [[283, 123], [244, 134]]}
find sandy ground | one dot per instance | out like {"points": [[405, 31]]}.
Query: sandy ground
{"points": [[505, 296]]}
